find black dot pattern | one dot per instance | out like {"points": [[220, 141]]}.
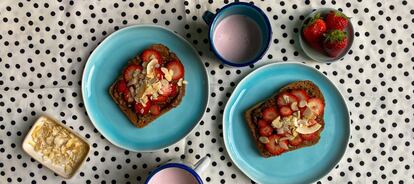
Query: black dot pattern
{"points": [[45, 45]]}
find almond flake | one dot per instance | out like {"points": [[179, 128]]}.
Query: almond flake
{"points": [[150, 68], [294, 106], [167, 74], [276, 123], [302, 103], [264, 140], [180, 82]]}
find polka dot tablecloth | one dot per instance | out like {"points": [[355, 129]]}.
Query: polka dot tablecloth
{"points": [[44, 46]]}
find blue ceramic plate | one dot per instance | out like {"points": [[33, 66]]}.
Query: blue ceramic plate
{"points": [[304, 165], [105, 65]]}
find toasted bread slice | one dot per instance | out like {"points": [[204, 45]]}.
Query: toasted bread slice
{"points": [[139, 120], [251, 115]]}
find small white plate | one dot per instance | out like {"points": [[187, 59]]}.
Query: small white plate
{"points": [[317, 55], [47, 163]]}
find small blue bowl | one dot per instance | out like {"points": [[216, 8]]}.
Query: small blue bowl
{"points": [[245, 9]]}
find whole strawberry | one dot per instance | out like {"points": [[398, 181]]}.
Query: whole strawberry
{"points": [[336, 20], [335, 42], [313, 31]]}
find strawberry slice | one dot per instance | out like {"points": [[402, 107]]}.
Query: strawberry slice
{"points": [[296, 142], [140, 109], [150, 54], [155, 109], [269, 113], [174, 89], [122, 87], [285, 111], [160, 99], [316, 105], [286, 99], [310, 137], [177, 67], [272, 147], [262, 123], [158, 73], [130, 69], [266, 131], [300, 94]]}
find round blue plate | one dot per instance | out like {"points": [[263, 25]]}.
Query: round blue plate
{"points": [[304, 165], [105, 65]]}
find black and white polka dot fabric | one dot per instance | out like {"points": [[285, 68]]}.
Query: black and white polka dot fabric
{"points": [[44, 46]]}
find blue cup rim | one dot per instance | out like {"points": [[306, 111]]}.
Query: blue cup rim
{"points": [[175, 165], [261, 54]]}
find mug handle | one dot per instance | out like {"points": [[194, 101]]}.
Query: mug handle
{"points": [[208, 17], [202, 164]]}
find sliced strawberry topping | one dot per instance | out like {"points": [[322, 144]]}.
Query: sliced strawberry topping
{"points": [[174, 89], [122, 86], [150, 54], [158, 73], [310, 137], [160, 99], [316, 105], [300, 94], [273, 147], [296, 142], [266, 131], [177, 67], [285, 99], [269, 113], [312, 122], [262, 123], [285, 111], [140, 109], [155, 109], [130, 69]]}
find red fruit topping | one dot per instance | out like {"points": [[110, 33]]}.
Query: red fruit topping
{"points": [[266, 131], [313, 31], [300, 94], [296, 142], [155, 109], [262, 123], [335, 43], [286, 99], [272, 147], [312, 122], [130, 69], [140, 109], [158, 73], [122, 86], [336, 20], [316, 105], [177, 67], [285, 111], [310, 137], [269, 113], [150, 54], [160, 99]]}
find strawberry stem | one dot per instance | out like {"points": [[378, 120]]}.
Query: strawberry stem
{"points": [[335, 36], [313, 19]]}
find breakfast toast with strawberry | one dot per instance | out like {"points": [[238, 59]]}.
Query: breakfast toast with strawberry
{"points": [[290, 119], [150, 85]]}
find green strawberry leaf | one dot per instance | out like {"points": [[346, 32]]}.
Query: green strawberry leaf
{"points": [[335, 36]]}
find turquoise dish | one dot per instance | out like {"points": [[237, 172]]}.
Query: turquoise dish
{"points": [[304, 165], [105, 65]]}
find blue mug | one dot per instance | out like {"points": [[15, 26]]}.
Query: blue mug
{"points": [[262, 35]]}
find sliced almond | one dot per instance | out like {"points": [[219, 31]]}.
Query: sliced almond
{"points": [[286, 99], [180, 82], [276, 123], [302, 103], [283, 144], [150, 68], [308, 114], [294, 106], [167, 74], [264, 140], [309, 130], [185, 82]]}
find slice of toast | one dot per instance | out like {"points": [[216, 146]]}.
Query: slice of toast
{"points": [[252, 115], [143, 120]]}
